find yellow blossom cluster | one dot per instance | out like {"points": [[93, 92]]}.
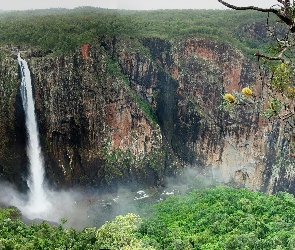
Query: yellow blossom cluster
{"points": [[229, 98], [247, 92]]}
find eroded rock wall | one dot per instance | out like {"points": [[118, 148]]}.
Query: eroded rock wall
{"points": [[184, 81], [12, 125], [125, 109]]}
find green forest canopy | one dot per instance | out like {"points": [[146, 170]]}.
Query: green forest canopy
{"points": [[217, 218], [63, 30]]}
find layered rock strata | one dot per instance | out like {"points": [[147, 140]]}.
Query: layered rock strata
{"points": [[125, 109]]}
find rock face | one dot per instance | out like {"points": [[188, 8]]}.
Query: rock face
{"points": [[124, 109], [12, 125]]}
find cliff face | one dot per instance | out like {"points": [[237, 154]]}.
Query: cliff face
{"points": [[124, 109], [93, 128], [12, 125]]}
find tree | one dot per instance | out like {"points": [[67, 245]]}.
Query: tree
{"points": [[120, 234], [276, 97]]}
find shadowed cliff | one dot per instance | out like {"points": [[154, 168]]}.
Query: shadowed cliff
{"points": [[123, 110]]}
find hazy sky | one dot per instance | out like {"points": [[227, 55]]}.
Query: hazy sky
{"points": [[129, 4]]}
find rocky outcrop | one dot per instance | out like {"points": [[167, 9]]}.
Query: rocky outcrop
{"points": [[125, 109]]}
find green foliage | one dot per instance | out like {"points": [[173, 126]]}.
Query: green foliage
{"points": [[146, 108], [63, 30], [222, 218], [281, 78], [14, 234], [274, 108], [218, 218], [120, 234], [117, 234], [117, 164], [113, 69], [47, 143], [9, 213]]}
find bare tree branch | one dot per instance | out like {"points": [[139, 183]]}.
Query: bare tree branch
{"points": [[248, 8], [272, 58], [283, 16]]}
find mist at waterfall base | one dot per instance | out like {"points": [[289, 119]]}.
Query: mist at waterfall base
{"points": [[40, 202], [83, 208], [80, 208], [58, 205]]}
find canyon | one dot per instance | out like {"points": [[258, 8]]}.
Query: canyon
{"points": [[126, 110]]}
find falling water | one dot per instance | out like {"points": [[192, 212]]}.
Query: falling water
{"points": [[37, 203]]}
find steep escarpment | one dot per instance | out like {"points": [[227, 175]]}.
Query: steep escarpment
{"points": [[241, 149], [127, 109], [92, 126]]}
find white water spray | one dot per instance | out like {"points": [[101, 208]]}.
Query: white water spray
{"points": [[41, 202], [38, 203]]}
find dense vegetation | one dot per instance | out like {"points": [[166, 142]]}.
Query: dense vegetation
{"points": [[223, 218], [219, 218], [117, 234], [63, 30]]}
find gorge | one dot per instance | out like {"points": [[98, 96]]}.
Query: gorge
{"points": [[126, 110], [134, 110]]}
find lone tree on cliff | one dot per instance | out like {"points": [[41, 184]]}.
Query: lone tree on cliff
{"points": [[276, 97]]}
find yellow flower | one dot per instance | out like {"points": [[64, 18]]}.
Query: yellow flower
{"points": [[283, 67], [247, 92], [229, 98]]}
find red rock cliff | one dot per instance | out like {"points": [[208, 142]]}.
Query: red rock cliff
{"points": [[124, 109]]}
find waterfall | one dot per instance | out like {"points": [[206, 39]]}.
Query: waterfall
{"points": [[37, 202]]}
